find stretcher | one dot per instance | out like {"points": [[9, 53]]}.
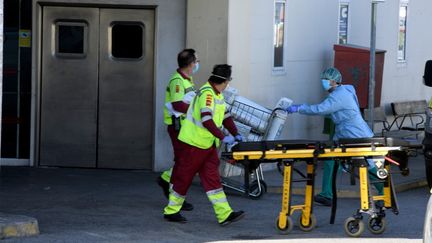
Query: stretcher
{"points": [[350, 153]]}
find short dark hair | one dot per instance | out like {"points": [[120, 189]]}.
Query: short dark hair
{"points": [[221, 73], [186, 57]]}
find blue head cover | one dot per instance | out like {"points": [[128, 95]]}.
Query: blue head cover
{"points": [[332, 74]]}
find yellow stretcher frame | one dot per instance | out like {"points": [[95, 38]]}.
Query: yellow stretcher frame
{"points": [[307, 221], [309, 153]]}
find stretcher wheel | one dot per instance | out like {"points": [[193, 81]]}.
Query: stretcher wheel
{"points": [[354, 227], [382, 173], [288, 227], [376, 225], [254, 189], [310, 226]]}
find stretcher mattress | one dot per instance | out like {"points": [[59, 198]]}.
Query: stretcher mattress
{"points": [[312, 144]]}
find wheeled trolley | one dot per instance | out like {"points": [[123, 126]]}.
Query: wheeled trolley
{"points": [[255, 123], [255, 186], [353, 151]]}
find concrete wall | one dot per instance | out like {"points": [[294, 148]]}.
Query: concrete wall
{"points": [[206, 32], [401, 80], [311, 32], [170, 38], [308, 49]]}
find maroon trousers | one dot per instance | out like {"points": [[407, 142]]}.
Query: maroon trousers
{"points": [[177, 144], [194, 160]]}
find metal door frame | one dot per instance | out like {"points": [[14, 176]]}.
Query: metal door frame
{"points": [[37, 72]]}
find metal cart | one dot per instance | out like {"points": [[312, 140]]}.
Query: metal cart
{"points": [[255, 123]]}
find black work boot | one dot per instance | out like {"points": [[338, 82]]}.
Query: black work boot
{"points": [[187, 206], [164, 185], [176, 217], [165, 188], [323, 200], [233, 217]]}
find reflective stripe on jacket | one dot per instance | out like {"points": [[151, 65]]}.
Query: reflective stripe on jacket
{"points": [[175, 91], [192, 131]]}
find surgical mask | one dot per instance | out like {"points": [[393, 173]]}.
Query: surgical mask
{"points": [[326, 84], [195, 68]]}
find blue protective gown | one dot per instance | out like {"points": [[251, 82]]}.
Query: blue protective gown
{"points": [[343, 108]]}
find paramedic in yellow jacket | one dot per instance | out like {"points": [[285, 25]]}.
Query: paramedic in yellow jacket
{"points": [[201, 132], [180, 86]]}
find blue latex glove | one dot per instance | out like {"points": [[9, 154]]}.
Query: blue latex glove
{"points": [[293, 109], [239, 138], [228, 139]]}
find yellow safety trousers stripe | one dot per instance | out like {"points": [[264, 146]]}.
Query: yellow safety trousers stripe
{"points": [[175, 202], [220, 204], [166, 175]]}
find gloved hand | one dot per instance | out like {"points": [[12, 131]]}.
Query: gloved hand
{"points": [[293, 109], [239, 138], [228, 139]]}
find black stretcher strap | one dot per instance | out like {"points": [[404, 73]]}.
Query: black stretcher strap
{"points": [[263, 145], [334, 192]]}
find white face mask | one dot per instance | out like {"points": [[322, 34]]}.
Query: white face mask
{"points": [[195, 68]]}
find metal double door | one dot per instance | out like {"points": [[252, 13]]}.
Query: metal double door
{"points": [[96, 88]]}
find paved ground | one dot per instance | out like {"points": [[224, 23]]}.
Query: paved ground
{"points": [[84, 205]]}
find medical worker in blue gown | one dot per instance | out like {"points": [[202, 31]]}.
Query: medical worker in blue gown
{"points": [[341, 105]]}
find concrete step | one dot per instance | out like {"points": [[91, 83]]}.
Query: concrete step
{"points": [[17, 226]]}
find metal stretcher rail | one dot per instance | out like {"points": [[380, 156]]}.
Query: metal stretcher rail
{"points": [[309, 153], [354, 152]]}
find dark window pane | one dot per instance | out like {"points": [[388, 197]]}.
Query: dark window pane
{"points": [[9, 126], [71, 39], [9, 105], [10, 60], [127, 41], [8, 140], [11, 13], [26, 14], [24, 132]]}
